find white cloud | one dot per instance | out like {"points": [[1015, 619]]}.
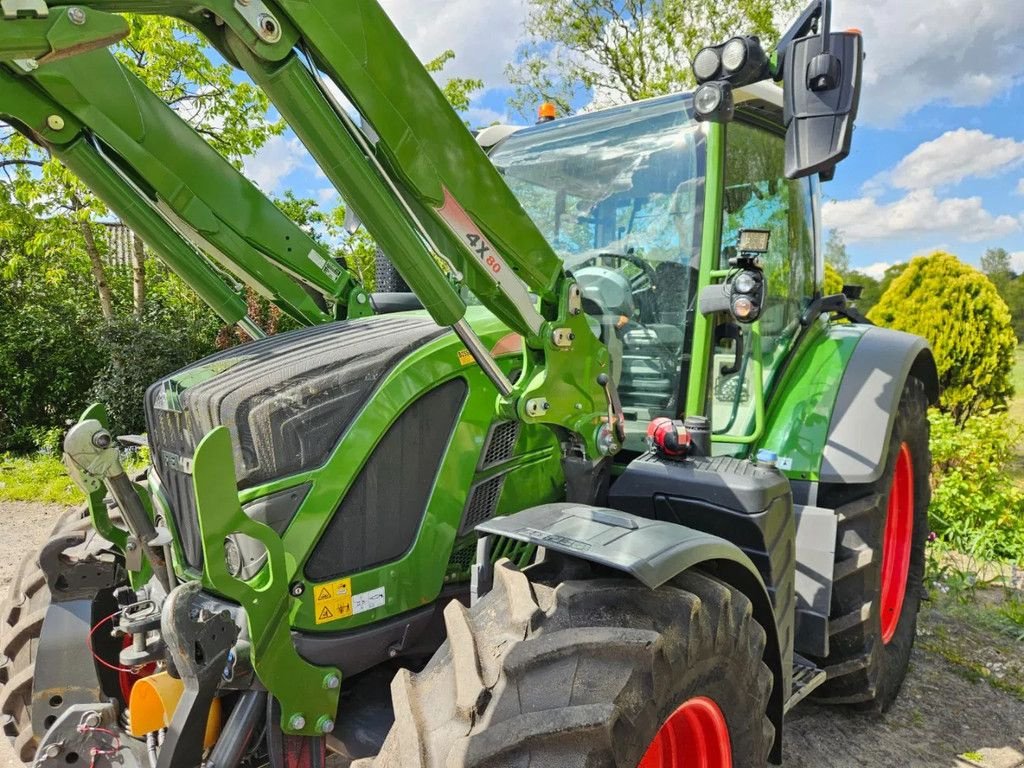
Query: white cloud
{"points": [[963, 52], [955, 156], [876, 270], [1017, 262], [326, 195], [274, 161], [483, 35], [920, 212], [481, 117]]}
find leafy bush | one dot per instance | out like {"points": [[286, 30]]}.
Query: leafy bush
{"points": [[137, 354], [833, 281], [958, 310], [976, 508], [48, 360]]}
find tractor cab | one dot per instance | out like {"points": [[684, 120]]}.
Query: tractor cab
{"points": [[621, 196]]}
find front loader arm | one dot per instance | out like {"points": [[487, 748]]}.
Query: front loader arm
{"points": [[438, 186], [58, 130], [172, 170], [421, 185]]}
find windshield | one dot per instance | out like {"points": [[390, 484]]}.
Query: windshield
{"points": [[620, 196]]}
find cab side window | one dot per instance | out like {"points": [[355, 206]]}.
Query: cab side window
{"points": [[758, 196]]}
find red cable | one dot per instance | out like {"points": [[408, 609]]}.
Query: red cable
{"points": [[104, 662], [115, 746]]}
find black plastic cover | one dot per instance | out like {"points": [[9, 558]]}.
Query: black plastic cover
{"points": [[380, 515], [722, 481], [746, 504], [820, 122]]}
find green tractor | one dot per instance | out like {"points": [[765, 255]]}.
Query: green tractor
{"points": [[615, 484]]}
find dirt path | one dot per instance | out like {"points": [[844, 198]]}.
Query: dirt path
{"points": [[942, 718]]}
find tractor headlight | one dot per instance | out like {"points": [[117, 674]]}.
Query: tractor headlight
{"points": [[708, 99], [706, 64], [744, 283], [740, 61], [714, 102], [734, 55], [744, 309]]}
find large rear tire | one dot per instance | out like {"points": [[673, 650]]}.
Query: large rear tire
{"points": [[879, 571], [595, 673], [21, 623]]}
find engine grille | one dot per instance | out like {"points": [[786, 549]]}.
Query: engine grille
{"points": [[501, 443], [482, 504]]}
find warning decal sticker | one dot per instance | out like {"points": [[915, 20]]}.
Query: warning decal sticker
{"points": [[334, 600]]}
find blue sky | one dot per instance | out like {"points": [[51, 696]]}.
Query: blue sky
{"points": [[938, 158]]}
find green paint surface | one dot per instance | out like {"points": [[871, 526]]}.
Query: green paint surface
{"points": [[801, 411]]}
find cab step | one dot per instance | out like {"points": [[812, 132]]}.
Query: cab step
{"points": [[806, 677]]}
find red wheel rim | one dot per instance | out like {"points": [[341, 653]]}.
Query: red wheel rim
{"points": [[899, 532], [694, 736], [127, 679]]}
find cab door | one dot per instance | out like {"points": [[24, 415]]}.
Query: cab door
{"points": [[746, 359]]}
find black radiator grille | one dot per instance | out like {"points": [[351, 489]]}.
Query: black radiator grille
{"points": [[501, 443], [482, 504]]}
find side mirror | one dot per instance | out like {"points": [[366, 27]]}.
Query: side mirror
{"points": [[822, 93]]}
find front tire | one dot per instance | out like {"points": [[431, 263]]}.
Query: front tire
{"points": [[879, 571], [589, 673], [21, 624]]}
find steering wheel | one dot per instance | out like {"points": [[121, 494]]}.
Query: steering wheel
{"points": [[640, 284]]}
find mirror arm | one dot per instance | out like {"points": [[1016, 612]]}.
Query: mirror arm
{"points": [[802, 28], [824, 305], [825, 27]]}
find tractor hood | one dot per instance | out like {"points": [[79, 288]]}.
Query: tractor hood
{"points": [[287, 401]]}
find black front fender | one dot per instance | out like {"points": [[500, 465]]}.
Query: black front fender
{"points": [[865, 408], [654, 552]]}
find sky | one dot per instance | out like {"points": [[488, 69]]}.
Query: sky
{"points": [[938, 153]]}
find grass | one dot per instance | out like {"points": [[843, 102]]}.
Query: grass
{"points": [[42, 478], [1016, 411], [38, 478], [1017, 377]]}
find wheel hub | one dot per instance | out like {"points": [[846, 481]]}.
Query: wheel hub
{"points": [[899, 533], [694, 736]]}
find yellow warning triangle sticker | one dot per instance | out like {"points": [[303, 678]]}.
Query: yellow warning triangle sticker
{"points": [[325, 594], [325, 614]]}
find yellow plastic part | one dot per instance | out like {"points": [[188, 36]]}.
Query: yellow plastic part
{"points": [[153, 701]]}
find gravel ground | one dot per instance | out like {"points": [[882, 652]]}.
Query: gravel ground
{"points": [[945, 716]]}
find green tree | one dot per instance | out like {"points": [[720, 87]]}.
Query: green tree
{"points": [[996, 261], [833, 280], [1013, 295], [48, 355], [958, 310], [997, 264], [458, 90], [835, 252], [624, 50]]}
